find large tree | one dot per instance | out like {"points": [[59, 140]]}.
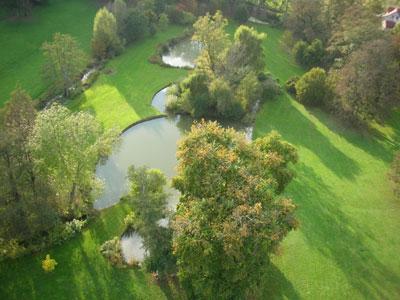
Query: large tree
{"points": [[66, 147], [26, 207], [149, 201], [370, 82], [64, 62], [210, 32], [230, 216], [105, 41]]}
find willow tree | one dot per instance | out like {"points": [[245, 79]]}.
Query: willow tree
{"points": [[231, 215], [64, 62]]}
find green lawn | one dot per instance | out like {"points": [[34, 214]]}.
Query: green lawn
{"points": [[123, 92], [21, 59], [347, 244]]}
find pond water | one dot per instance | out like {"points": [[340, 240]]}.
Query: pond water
{"points": [[183, 54]]}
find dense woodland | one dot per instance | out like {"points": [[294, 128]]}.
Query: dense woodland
{"points": [[234, 211]]}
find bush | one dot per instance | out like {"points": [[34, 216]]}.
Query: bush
{"points": [[129, 221], [49, 264], [313, 88], [179, 17], [112, 251], [309, 55], [73, 227], [163, 22], [290, 85], [11, 249], [136, 25], [270, 87]]}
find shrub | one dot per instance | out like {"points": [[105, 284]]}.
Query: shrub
{"points": [[11, 249], [290, 85], [270, 87], [129, 221], [136, 25], [112, 251], [179, 17], [163, 21], [187, 18], [49, 264], [309, 55], [73, 227], [313, 88]]}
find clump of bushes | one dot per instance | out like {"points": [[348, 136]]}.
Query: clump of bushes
{"points": [[111, 250], [179, 17], [72, 228], [129, 222]]}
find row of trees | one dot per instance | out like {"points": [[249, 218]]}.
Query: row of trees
{"points": [[228, 79], [345, 37], [231, 216], [47, 162]]}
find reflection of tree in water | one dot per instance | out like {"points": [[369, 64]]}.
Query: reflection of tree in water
{"points": [[183, 54]]}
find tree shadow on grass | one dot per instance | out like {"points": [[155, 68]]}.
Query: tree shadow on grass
{"points": [[296, 128], [340, 238], [370, 140]]}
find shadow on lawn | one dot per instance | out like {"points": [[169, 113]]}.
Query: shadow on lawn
{"points": [[297, 129], [339, 237]]}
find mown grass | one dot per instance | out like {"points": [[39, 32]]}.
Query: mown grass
{"points": [[21, 58], [347, 244], [348, 241]]}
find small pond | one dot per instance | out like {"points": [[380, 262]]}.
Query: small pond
{"points": [[183, 54]]}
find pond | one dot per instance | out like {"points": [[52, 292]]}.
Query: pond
{"points": [[183, 54]]}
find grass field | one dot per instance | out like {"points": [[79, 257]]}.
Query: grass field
{"points": [[348, 242], [21, 59]]}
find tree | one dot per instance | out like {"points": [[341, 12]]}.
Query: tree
{"points": [[137, 25], [120, 11], [20, 8], [229, 218], [305, 20], [149, 202], [210, 32], [249, 91], [105, 41], [66, 147], [395, 173], [313, 88], [26, 207], [64, 62], [228, 107], [246, 54], [370, 82]]}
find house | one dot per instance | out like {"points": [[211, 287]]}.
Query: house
{"points": [[391, 17]]}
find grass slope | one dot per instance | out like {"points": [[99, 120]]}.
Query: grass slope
{"points": [[21, 58], [348, 242]]}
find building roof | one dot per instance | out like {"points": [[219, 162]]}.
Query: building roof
{"points": [[391, 11]]}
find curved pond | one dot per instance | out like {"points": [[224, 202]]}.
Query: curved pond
{"points": [[183, 54]]}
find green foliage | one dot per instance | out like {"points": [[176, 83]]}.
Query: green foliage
{"points": [[136, 25], [249, 91], [120, 11], [130, 221], [105, 42], [309, 55], [163, 21], [49, 264], [313, 88], [149, 202], [242, 13], [228, 220], [64, 62], [73, 227], [290, 85], [111, 250], [227, 106], [66, 148]]}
